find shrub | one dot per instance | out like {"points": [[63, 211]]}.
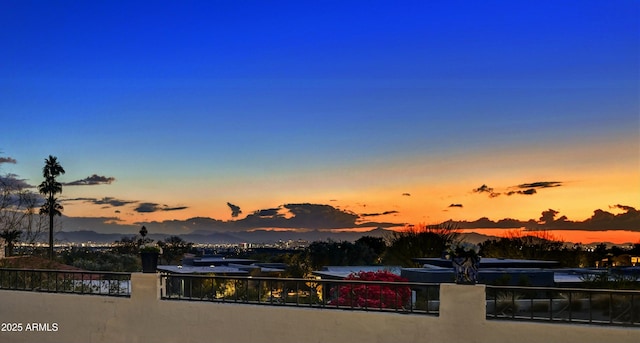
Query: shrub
{"points": [[374, 296]]}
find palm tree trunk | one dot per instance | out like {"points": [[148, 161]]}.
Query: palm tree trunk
{"points": [[51, 214]]}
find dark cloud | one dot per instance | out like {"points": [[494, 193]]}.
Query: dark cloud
{"points": [[91, 181], [455, 205], [625, 208], [79, 199], [486, 223], [604, 220], [177, 208], [107, 201], [541, 184], [406, 194], [289, 216], [486, 189], [12, 182], [601, 220], [304, 216], [529, 191], [142, 207], [149, 207], [483, 189], [271, 212], [8, 160], [235, 210], [378, 214], [548, 216], [521, 189], [530, 188], [112, 202], [313, 215]]}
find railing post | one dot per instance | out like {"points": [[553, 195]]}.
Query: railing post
{"points": [[465, 304], [145, 287]]}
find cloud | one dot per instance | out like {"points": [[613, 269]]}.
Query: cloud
{"points": [[112, 202], [289, 216], [143, 207], [541, 184], [548, 216], [91, 181], [406, 194], [12, 182], [486, 189], [455, 205], [149, 207], [235, 210], [604, 220], [529, 191], [483, 189], [271, 212], [530, 188], [601, 220], [8, 160], [625, 208], [378, 214], [107, 201], [304, 216], [522, 189], [176, 208]]}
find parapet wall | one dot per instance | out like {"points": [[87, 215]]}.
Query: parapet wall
{"points": [[145, 318]]}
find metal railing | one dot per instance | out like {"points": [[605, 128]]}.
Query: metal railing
{"points": [[401, 297], [564, 305], [61, 281]]}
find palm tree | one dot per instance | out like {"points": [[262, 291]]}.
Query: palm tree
{"points": [[10, 236], [49, 188]]}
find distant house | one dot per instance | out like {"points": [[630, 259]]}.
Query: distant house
{"points": [[213, 265], [624, 260], [512, 272], [222, 266]]}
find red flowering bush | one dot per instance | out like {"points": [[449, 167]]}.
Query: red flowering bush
{"points": [[373, 295]]}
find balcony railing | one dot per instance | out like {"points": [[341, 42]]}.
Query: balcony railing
{"points": [[402, 297], [61, 281], [573, 305]]}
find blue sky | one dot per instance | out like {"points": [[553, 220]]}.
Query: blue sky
{"points": [[192, 104]]}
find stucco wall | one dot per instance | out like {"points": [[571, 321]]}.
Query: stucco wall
{"points": [[146, 318]]}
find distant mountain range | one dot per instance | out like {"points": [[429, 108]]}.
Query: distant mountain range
{"points": [[256, 236]]}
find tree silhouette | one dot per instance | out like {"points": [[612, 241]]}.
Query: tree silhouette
{"points": [[10, 237], [419, 241], [49, 188], [143, 232], [18, 221], [173, 248], [365, 251], [143, 240]]}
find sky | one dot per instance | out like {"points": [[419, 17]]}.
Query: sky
{"points": [[248, 114]]}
